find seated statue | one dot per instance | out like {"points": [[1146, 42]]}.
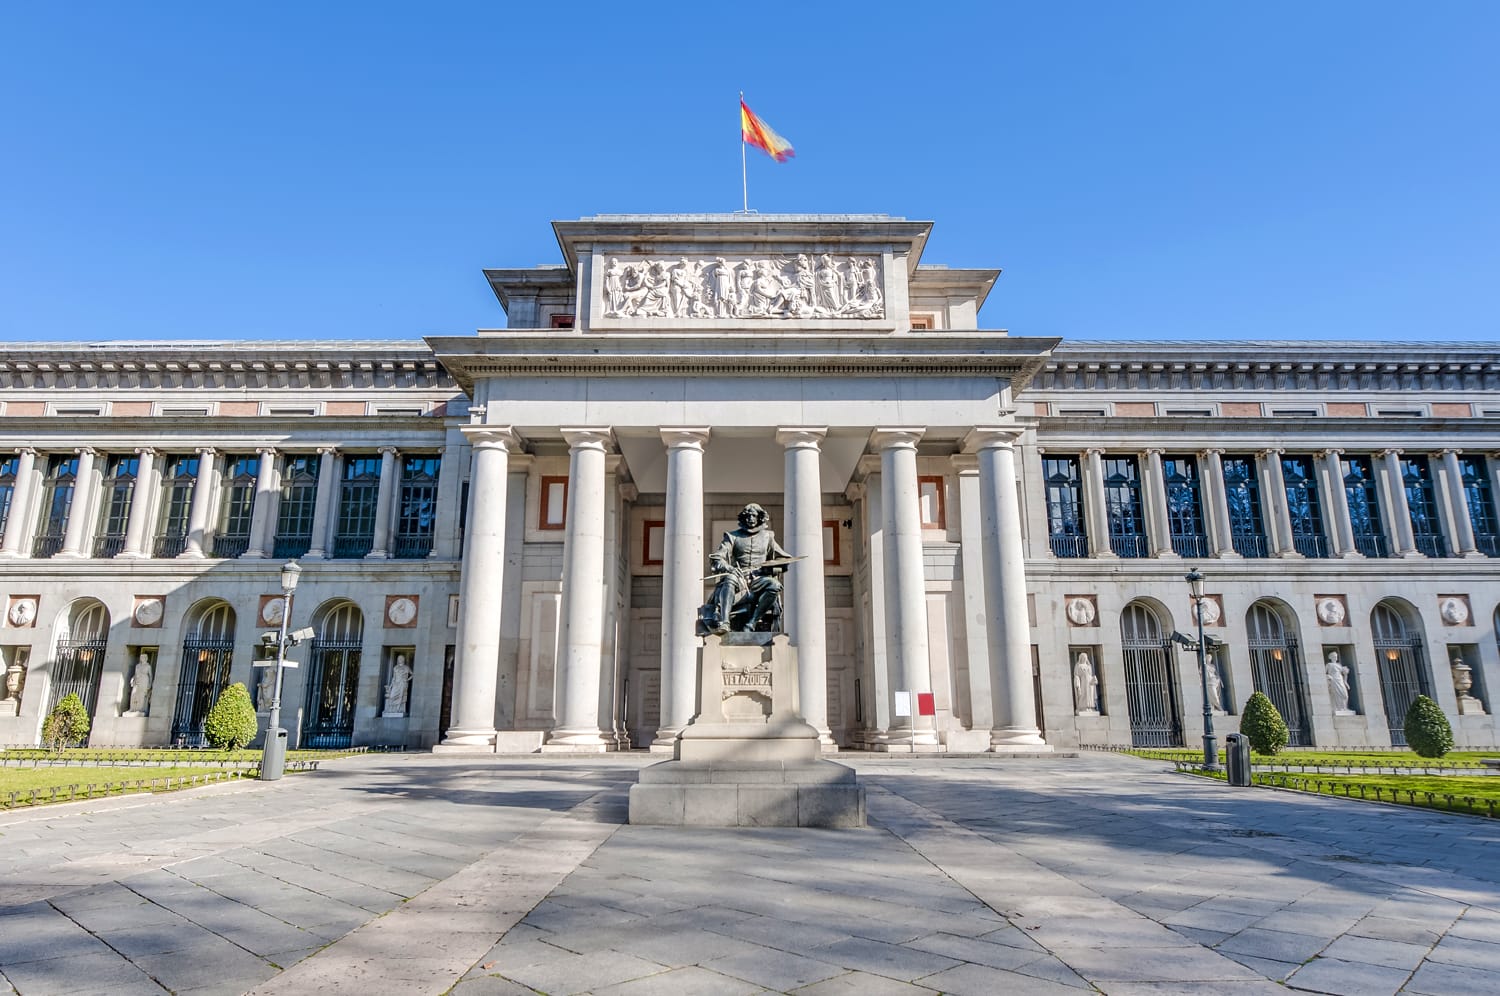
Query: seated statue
{"points": [[747, 595]]}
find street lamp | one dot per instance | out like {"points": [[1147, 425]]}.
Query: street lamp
{"points": [[1210, 743], [273, 753]]}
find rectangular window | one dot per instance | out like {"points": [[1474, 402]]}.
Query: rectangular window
{"points": [[553, 506], [237, 511], [297, 506], [932, 503], [1421, 503], [923, 323], [9, 467], [1242, 494], [1184, 506], [1122, 506], [179, 474], [359, 496], [1474, 473], [416, 506], [561, 321], [1065, 523], [1303, 506], [57, 504], [1364, 508], [120, 473], [653, 541]]}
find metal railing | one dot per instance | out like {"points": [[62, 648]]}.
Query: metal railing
{"points": [[169, 546], [412, 547], [1070, 546], [109, 546], [231, 546]]}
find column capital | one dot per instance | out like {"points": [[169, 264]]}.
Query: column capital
{"points": [[87, 451], [627, 490], [1447, 451], [1093, 451], [1389, 451], [328, 449], [964, 464], [1154, 451], [150, 451], [589, 438], [491, 437], [265, 450], [207, 452], [1328, 451], [684, 436], [1208, 451], [809, 437], [891, 439], [392, 450], [24, 450], [1270, 451], [989, 437]]}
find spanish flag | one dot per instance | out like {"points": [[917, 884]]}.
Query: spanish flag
{"points": [[759, 134]]}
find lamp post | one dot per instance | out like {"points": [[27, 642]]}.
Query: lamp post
{"points": [[1210, 743], [273, 753]]}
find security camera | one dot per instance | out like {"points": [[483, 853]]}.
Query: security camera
{"points": [[307, 633], [1182, 639], [269, 639]]}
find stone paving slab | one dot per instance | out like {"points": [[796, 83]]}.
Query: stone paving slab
{"points": [[482, 875]]}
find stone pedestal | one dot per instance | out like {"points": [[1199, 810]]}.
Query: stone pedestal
{"points": [[748, 758]]}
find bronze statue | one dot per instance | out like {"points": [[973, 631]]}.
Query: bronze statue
{"points": [[747, 566]]}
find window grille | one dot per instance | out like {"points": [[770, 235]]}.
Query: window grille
{"points": [[359, 494], [9, 468], [1474, 474], [1277, 671], [333, 680], [1421, 503], [78, 660], [1184, 506], [1364, 507], [178, 480], [297, 507], [237, 510], [207, 655], [57, 505], [1122, 506], [417, 506], [1150, 691], [1402, 666], [120, 474], [1304, 509]]}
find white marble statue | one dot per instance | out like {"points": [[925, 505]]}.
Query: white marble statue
{"points": [[140, 686], [1338, 684], [265, 689], [1085, 685], [1215, 685], [397, 691], [614, 286]]}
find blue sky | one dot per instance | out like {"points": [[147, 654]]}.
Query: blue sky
{"points": [[1183, 170]]}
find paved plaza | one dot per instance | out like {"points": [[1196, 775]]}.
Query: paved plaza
{"points": [[477, 876]]}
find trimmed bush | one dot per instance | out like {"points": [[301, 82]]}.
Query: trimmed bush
{"points": [[1428, 731], [1263, 725], [67, 724], [231, 723]]}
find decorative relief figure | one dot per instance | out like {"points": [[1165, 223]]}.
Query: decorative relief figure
{"points": [[1081, 611], [397, 689], [1085, 685], [1454, 609], [140, 686], [271, 608], [22, 612], [1338, 684], [1330, 610], [768, 287], [149, 611], [1209, 611], [401, 611]]}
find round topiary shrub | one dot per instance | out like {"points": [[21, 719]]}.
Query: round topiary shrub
{"points": [[67, 724], [231, 723], [1262, 725], [1428, 731]]}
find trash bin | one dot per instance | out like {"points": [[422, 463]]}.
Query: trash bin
{"points": [[1237, 756], [273, 755]]}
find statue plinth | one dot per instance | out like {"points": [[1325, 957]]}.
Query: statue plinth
{"points": [[748, 758]]}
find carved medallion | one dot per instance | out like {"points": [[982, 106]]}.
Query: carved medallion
{"points": [[1330, 609], [149, 611], [400, 611], [21, 613], [1454, 609], [1210, 611], [1081, 610], [271, 609]]}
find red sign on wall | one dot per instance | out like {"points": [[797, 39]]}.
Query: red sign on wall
{"points": [[926, 704]]}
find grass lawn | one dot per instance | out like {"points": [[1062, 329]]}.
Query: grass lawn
{"points": [[1335, 758], [160, 755], [22, 781]]}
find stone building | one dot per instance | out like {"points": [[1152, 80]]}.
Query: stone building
{"points": [[996, 528]]}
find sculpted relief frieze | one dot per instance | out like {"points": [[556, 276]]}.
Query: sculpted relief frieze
{"points": [[792, 287]]}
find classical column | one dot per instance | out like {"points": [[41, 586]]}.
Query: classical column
{"points": [[806, 604], [1463, 522], [1277, 509], [75, 534], [1094, 503], [581, 613], [1158, 519], [477, 664], [203, 488], [380, 548], [682, 584], [1009, 632], [323, 506], [972, 533], [905, 578], [1336, 503], [20, 504], [141, 501], [1216, 505], [262, 526], [1395, 501]]}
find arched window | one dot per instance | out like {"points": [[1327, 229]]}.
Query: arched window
{"points": [[78, 659], [207, 653], [1150, 689], [1402, 666], [333, 678], [1276, 668]]}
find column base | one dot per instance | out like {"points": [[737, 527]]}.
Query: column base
{"points": [[469, 738], [904, 742], [578, 742], [377, 555], [447, 748], [1351, 555], [1010, 738]]}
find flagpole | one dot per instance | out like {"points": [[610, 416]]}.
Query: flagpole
{"points": [[744, 172]]}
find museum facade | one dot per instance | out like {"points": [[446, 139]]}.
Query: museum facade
{"points": [[504, 536]]}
